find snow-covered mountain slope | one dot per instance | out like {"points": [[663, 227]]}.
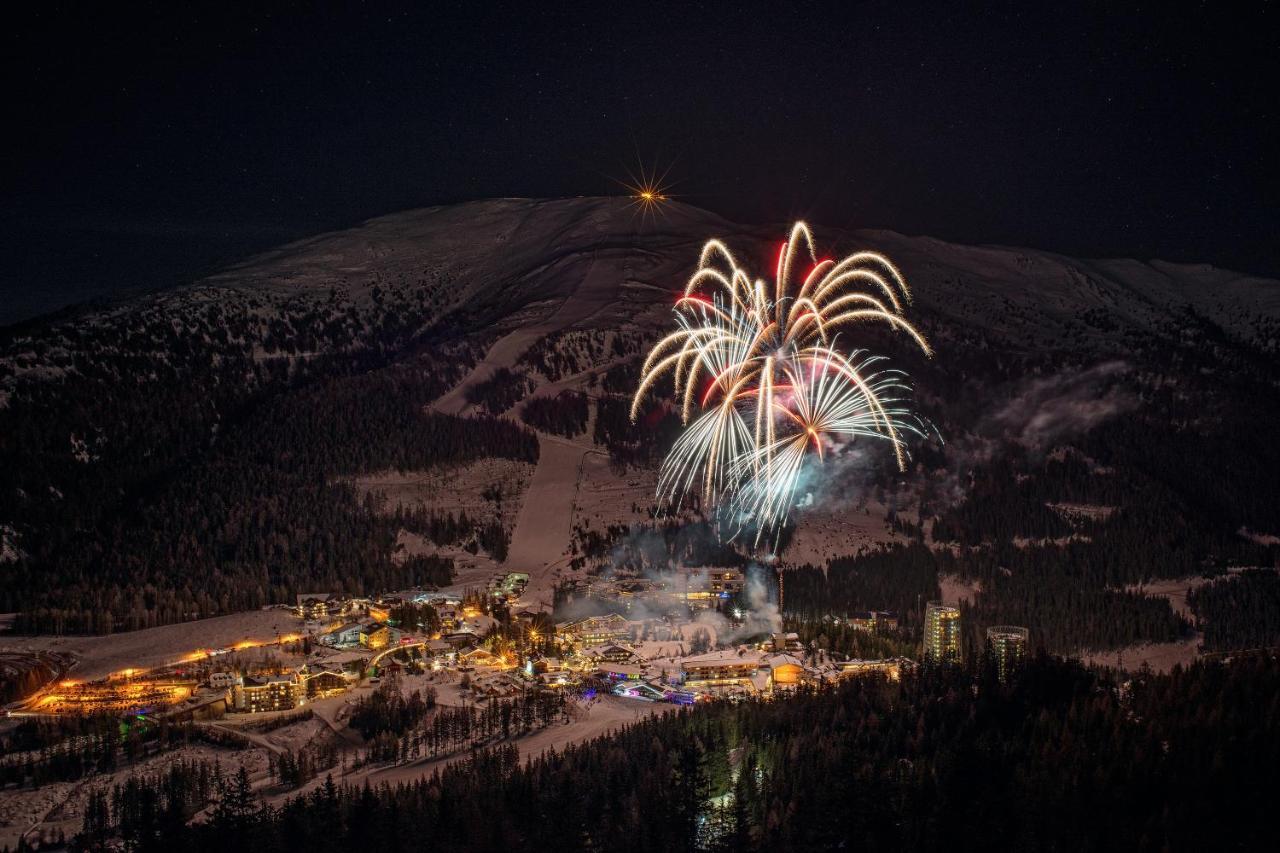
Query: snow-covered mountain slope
{"points": [[506, 261], [507, 254], [194, 442]]}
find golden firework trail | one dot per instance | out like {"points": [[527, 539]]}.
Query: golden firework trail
{"points": [[762, 383]]}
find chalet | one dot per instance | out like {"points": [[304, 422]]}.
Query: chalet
{"points": [[459, 639], [596, 630], [312, 606], [390, 666], [480, 657], [609, 653], [437, 648], [786, 670], [319, 606], [324, 681], [546, 664], [788, 642]]}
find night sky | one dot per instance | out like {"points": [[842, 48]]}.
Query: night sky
{"points": [[147, 147]]}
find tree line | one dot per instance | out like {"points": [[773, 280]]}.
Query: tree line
{"points": [[564, 414], [1239, 612], [1061, 757]]}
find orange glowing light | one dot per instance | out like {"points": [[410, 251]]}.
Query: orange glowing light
{"points": [[649, 190]]}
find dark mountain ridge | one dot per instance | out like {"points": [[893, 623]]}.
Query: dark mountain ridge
{"points": [[181, 454]]}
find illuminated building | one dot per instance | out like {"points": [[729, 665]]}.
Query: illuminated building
{"points": [[703, 587], [785, 670], [941, 633], [509, 586], [874, 621], [318, 606], [275, 693], [480, 657], [321, 682], [725, 669], [891, 668], [375, 636], [312, 605], [115, 695], [343, 636], [596, 630], [786, 642], [863, 621], [609, 653], [1007, 646]]}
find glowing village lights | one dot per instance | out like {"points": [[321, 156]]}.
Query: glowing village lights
{"points": [[764, 367]]}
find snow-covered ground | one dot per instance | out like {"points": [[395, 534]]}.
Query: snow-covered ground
{"points": [[1161, 657], [60, 806], [534, 251], [823, 534], [98, 657], [541, 541], [955, 589], [1175, 590]]}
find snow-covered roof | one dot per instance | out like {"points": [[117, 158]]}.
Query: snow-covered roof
{"points": [[604, 648], [628, 669], [724, 657]]}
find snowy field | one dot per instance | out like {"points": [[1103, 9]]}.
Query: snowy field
{"points": [[98, 657]]}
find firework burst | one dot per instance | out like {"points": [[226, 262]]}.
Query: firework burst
{"points": [[764, 387]]}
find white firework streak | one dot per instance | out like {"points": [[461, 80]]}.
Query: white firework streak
{"points": [[830, 401], [775, 387]]}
